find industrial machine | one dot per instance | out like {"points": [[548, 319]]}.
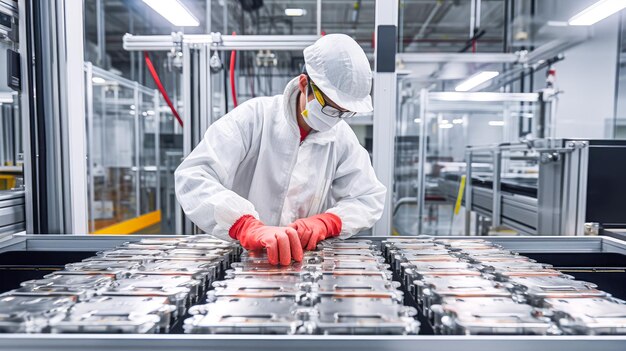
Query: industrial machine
{"points": [[545, 186], [11, 212]]}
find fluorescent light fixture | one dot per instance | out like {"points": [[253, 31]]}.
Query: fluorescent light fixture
{"points": [[131, 112], [150, 113], [476, 80], [417, 120], [597, 12], [444, 121], [457, 121], [557, 23], [98, 80], [174, 11], [295, 12], [446, 126], [496, 123]]}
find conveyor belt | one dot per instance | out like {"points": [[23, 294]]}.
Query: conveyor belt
{"points": [[475, 287], [459, 287]]}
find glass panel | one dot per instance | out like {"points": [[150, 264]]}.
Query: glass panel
{"points": [[450, 127], [113, 156], [619, 124], [148, 154]]}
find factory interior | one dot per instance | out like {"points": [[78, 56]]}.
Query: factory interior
{"points": [[492, 124]]}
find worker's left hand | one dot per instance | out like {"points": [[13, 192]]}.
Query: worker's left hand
{"points": [[316, 228]]}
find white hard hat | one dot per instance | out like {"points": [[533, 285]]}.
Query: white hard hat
{"points": [[339, 67]]}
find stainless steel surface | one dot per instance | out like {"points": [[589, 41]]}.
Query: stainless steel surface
{"points": [[314, 342], [12, 212], [559, 204], [490, 316], [219, 41], [589, 316], [126, 314]]}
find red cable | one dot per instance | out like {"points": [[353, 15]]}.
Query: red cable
{"points": [[233, 89], [157, 81]]}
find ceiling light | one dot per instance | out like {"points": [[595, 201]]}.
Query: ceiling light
{"points": [[98, 80], [446, 126], [417, 120], [457, 121], [174, 11], [444, 121], [496, 123], [295, 12], [476, 80], [597, 12]]}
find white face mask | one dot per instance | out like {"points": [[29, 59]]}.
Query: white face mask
{"points": [[315, 118]]}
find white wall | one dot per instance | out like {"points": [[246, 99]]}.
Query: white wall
{"points": [[588, 78]]}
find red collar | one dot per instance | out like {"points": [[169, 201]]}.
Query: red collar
{"points": [[303, 133]]}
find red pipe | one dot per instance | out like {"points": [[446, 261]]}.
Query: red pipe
{"points": [[233, 89], [157, 81]]}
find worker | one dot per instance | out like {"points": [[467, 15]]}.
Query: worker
{"points": [[283, 173]]}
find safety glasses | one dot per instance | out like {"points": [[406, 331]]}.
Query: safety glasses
{"points": [[326, 108]]}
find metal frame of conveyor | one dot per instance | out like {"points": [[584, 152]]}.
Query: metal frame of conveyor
{"points": [[184, 342], [558, 208]]}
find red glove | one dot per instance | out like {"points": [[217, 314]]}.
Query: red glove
{"points": [[280, 242], [316, 228]]}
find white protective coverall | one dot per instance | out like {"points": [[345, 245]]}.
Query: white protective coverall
{"points": [[251, 161]]}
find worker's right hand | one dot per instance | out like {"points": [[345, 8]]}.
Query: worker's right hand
{"points": [[281, 243]]}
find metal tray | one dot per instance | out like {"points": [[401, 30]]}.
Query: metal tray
{"points": [[534, 289], [411, 271], [102, 267], [478, 315], [164, 241], [505, 276], [357, 286], [137, 315], [327, 251], [23, 314], [93, 282], [590, 316], [486, 259], [348, 245], [182, 291], [77, 293], [253, 288], [512, 266], [203, 272], [124, 253], [246, 316], [434, 289], [363, 316], [145, 246]]}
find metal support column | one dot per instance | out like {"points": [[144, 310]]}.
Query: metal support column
{"points": [[72, 114], [157, 146], [468, 192], [496, 209], [385, 87], [318, 18], [90, 144], [100, 33], [421, 172], [136, 123]]}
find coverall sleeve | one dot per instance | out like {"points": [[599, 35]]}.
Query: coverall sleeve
{"points": [[359, 196], [204, 178]]}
